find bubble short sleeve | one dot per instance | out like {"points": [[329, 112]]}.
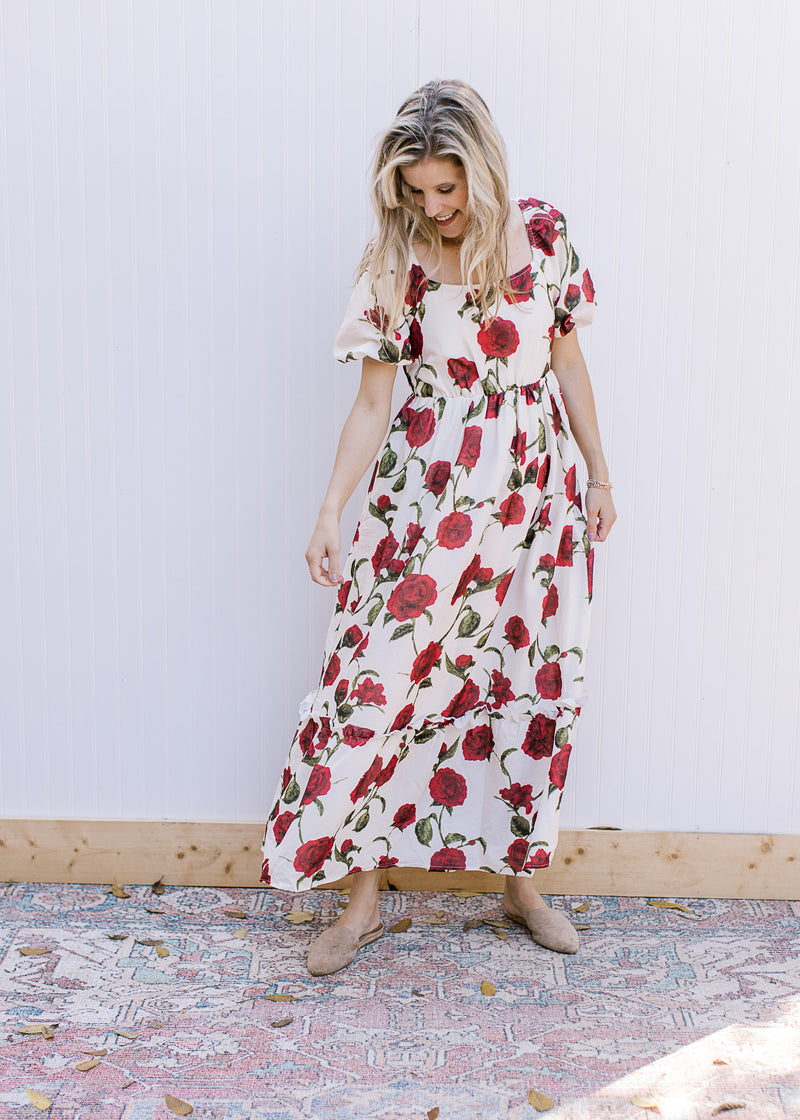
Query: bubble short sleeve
{"points": [[569, 282], [365, 332]]}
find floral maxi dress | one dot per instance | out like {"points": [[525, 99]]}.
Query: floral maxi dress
{"points": [[440, 731]]}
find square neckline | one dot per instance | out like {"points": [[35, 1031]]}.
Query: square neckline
{"points": [[445, 284]]}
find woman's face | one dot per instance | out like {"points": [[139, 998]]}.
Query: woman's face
{"points": [[439, 187]]}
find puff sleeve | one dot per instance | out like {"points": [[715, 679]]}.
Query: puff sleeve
{"points": [[365, 332], [569, 283]]}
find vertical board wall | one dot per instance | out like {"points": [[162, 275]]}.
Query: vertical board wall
{"points": [[181, 207]]}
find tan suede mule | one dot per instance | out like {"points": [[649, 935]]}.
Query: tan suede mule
{"points": [[336, 948], [549, 928]]}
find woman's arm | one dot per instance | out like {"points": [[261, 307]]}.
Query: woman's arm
{"points": [[363, 431], [573, 377]]}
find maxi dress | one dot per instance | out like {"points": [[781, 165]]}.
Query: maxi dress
{"points": [[440, 730]]}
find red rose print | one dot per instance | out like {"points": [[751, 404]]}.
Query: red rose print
{"points": [[265, 875], [341, 691], [352, 636], [544, 473], [384, 552], [420, 427], [387, 771], [519, 446], [502, 587], [367, 779], [517, 633], [281, 826], [518, 797], [550, 602], [548, 681], [415, 340], [405, 816], [286, 778], [368, 692], [564, 558], [517, 852], [498, 339], [547, 562], [378, 318], [310, 856], [463, 661], [558, 767], [447, 787], [332, 672], [306, 738], [387, 861], [319, 783], [470, 447], [521, 285], [448, 859], [569, 484], [463, 372], [544, 516], [355, 736], [454, 530], [403, 718], [383, 503], [413, 534], [463, 701], [512, 510], [416, 287], [587, 286], [557, 423], [501, 689], [412, 596], [424, 662], [567, 323], [590, 570], [467, 576], [324, 733], [478, 743], [362, 645], [542, 234], [572, 297], [539, 858], [346, 846], [540, 736], [437, 477], [343, 592]]}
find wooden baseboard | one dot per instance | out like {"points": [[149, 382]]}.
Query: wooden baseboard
{"points": [[588, 861]]}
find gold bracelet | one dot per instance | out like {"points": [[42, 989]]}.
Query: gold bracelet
{"points": [[600, 485]]}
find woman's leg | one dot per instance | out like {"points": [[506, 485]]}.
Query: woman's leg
{"points": [[362, 913], [520, 895]]}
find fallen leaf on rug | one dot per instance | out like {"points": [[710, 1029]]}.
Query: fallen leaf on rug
{"points": [[343, 902], [124, 1033], [153, 910], [660, 904], [241, 932], [435, 921], [584, 906], [433, 1113], [35, 952], [417, 992], [500, 934], [45, 1029], [176, 1105], [83, 1066], [539, 1101], [151, 941], [496, 922], [487, 988], [461, 893], [235, 914], [117, 936], [283, 1022], [581, 927], [644, 1102], [162, 950], [99, 1053], [473, 923], [117, 891], [728, 1106], [297, 916], [38, 1101], [158, 887], [401, 926], [279, 997]]}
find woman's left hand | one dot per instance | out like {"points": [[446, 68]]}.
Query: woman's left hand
{"points": [[600, 513]]}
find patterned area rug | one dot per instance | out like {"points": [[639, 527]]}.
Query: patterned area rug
{"points": [[688, 1009]]}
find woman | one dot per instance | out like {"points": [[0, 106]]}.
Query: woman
{"points": [[440, 731]]}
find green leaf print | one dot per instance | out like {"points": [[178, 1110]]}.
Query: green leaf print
{"points": [[387, 463], [402, 630], [551, 652], [362, 821], [469, 623], [579, 652], [375, 610], [449, 753], [462, 673], [344, 712], [424, 831], [388, 352], [400, 483], [542, 439], [424, 735], [519, 826], [292, 792], [454, 838], [515, 479], [562, 737]]}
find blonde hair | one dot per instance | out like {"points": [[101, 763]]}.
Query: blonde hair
{"points": [[444, 119]]}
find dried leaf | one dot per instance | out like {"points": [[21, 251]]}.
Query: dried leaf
{"points": [[283, 1022], [158, 887], [728, 1106], [179, 1107], [117, 936], [440, 913], [401, 926], [35, 952], [83, 1066], [501, 934], [584, 906], [473, 923], [487, 988], [153, 910], [437, 921], [241, 932], [661, 904], [38, 1101], [539, 1101], [162, 950], [343, 902], [127, 1085], [433, 1113], [720, 1062], [460, 893], [645, 1102], [417, 992], [235, 914], [496, 922], [581, 927], [125, 1033], [36, 1028], [118, 891], [150, 941], [98, 1053], [279, 997], [47, 1032], [297, 916]]}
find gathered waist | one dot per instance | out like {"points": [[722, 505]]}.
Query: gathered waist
{"points": [[530, 392]]}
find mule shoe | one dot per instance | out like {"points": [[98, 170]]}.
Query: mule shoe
{"points": [[336, 948], [549, 928]]}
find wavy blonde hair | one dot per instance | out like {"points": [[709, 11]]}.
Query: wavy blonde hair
{"points": [[444, 119]]}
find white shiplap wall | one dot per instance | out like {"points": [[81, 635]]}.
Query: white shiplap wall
{"points": [[181, 206]]}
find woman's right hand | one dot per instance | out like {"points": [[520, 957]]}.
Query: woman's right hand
{"points": [[326, 541]]}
